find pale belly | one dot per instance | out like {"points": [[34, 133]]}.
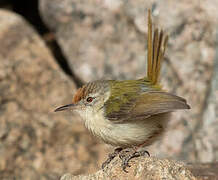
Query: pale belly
{"points": [[128, 134]]}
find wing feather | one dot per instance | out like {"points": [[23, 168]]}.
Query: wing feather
{"points": [[146, 105]]}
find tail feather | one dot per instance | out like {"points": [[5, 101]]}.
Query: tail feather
{"points": [[156, 49]]}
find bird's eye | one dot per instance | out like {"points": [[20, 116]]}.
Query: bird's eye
{"points": [[89, 99]]}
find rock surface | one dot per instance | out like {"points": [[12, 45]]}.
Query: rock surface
{"points": [[37, 143], [106, 39], [141, 168], [207, 135]]}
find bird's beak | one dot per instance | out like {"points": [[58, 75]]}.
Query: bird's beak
{"points": [[66, 107]]}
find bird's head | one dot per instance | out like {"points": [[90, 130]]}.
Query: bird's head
{"points": [[90, 98]]}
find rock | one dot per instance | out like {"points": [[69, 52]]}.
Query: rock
{"points": [[207, 136], [204, 171], [37, 143], [97, 37], [107, 39], [141, 168]]}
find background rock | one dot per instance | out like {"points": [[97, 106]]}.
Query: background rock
{"points": [[207, 135], [106, 39], [37, 143]]}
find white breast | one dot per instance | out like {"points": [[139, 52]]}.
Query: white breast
{"points": [[122, 134]]}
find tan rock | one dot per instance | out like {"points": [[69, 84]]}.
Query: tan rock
{"points": [[141, 168], [37, 143], [207, 136]]}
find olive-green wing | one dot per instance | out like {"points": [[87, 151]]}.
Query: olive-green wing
{"points": [[145, 105]]}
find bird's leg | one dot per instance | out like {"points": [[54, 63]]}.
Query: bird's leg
{"points": [[126, 157], [111, 157]]}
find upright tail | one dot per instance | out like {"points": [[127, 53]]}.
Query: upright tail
{"points": [[156, 49]]}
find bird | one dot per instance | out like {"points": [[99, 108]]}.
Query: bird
{"points": [[129, 114]]}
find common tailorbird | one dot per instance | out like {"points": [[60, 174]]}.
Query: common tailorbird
{"points": [[129, 114]]}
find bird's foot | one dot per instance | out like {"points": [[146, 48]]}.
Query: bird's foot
{"points": [[111, 157], [128, 154]]}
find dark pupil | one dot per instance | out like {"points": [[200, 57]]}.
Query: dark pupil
{"points": [[89, 99]]}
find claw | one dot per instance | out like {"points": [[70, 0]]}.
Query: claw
{"points": [[132, 153], [126, 159], [125, 163], [111, 157], [143, 153]]}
